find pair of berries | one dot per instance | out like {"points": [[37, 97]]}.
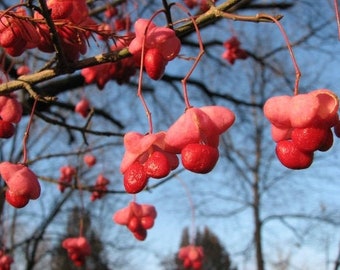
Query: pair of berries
{"points": [[233, 50], [302, 125], [161, 45], [144, 157], [78, 249], [10, 114], [22, 184], [138, 218], [195, 136], [66, 175], [192, 257], [5, 261], [100, 187]]}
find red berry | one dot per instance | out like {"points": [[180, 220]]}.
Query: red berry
{"points": [[6, 129], [157, 165], [154, 63], [309, 139], [199, 158], [291, 157], [135, 178], [18, 201]]}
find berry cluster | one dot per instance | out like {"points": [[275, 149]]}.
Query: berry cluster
{"points": [[66, 174], [192, 257], [22, 184], [302, 125], [100, 187], [145, 157], [233, 50], [78, 249], [5, 261], [20, 32], [161, 45], [138, 218], [10, 114], [195, 135]]}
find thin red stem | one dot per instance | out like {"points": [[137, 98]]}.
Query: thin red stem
{"points": [[140, 78], [197, 59], [27, 132], [290, 49]]}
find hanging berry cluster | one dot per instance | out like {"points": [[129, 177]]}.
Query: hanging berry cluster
{"points": [[191, 256], [77, 248], [138, 218], [195, 136], [22, 184], [301, 125], [233, 50], [158, 46]]}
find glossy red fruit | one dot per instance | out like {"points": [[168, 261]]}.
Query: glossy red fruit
{"points": [[6, 129], [309, 139], [199, 158], [18, 201], [154, 63], [292, 157], [135, 178], [157, 165]]}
